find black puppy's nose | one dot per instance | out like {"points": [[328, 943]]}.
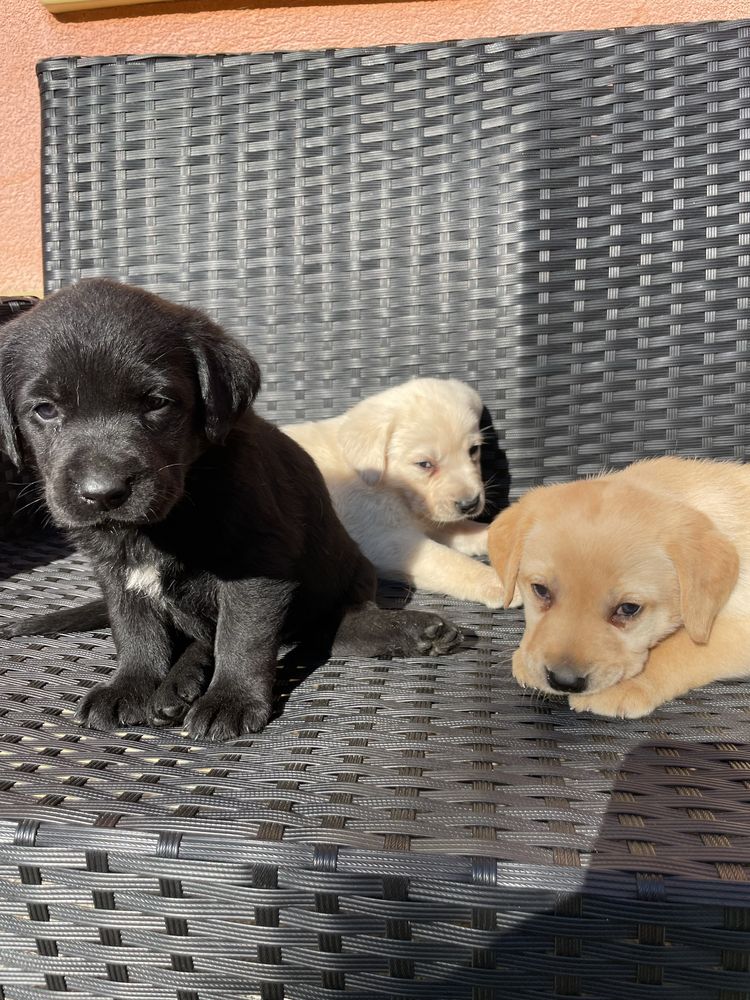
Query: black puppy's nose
{"points": [[567, 680], [468, 505], [104, 491]]}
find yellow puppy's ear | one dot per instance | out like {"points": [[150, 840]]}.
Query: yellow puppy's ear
{"points": [[364, 434], [505, 544], [707, 566]]}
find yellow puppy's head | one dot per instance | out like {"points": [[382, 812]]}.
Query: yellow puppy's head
{"points": [[606, 571], [421, 439]]}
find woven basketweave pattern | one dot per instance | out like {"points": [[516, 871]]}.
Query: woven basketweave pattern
{"points": [[413, 829], [561, 221]]}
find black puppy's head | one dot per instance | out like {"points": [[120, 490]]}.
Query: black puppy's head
{"points": [[112, 392]]}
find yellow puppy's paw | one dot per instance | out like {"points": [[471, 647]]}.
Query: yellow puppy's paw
{"points": [[630, 699]]}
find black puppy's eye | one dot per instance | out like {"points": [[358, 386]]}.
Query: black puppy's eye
{"points": [[47, 411], [474, 451], [425, 465], [627, 610], [542, 592], [153, 404]]}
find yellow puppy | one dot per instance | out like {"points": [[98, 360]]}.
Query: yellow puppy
{"points": [[635, 584], [402, 468]]}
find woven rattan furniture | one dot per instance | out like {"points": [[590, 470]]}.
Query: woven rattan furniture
{"points": [[561, 220]]}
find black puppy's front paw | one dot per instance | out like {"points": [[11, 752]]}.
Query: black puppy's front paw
{"points": [[182, 686], [222, 715], [122, 702]]}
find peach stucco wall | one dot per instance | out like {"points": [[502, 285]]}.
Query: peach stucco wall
{"points": [[29, 33]]}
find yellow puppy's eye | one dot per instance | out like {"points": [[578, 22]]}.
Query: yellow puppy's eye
{"points": [[627, 610], [474, 451], [542, 592], [425, 465]]}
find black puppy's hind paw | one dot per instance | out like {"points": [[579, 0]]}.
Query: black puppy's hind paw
{"points": [[427, 634], [439, 638], [370, 631]]}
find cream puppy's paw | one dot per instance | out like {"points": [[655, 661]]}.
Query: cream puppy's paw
{"points": [[517, 601], [472, 540], [468, 537], [490, 593], [476, 582], [631, 699]]}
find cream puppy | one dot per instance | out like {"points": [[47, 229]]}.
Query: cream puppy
{"points": [[636, 584], [402, 468]]}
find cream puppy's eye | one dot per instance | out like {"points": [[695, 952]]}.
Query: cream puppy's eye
{"points": [[474, 451], [425, 465], [627, 610], [542, 592]]}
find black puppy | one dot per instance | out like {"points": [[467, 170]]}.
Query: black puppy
{"points": [[211, 533]]}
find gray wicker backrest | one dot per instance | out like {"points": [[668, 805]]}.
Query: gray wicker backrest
{"points": [[560, 220]]}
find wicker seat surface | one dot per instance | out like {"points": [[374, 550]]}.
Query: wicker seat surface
{"points": [[563, 222]]}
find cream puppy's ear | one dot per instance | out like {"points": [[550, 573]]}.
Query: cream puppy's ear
{"points": [[505, 545], [707, 565], [364, 434]]}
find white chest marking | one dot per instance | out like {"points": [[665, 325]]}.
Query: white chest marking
{"points": [[146, 580]]}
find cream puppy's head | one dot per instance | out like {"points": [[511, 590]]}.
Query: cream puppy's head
{"points": [[421, 439], [606, 571]]}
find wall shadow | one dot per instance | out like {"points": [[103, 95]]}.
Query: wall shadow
{"points": [[130, 11]]}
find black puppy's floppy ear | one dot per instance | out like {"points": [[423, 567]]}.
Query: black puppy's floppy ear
{"points": [[10, 441], [228, 375]]}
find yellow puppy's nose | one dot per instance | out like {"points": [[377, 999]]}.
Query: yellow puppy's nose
{"points": [[566, 679]]}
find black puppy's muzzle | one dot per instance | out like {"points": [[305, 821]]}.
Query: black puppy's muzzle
{"points": [[108, 481], [104, 490], [92, 487]]}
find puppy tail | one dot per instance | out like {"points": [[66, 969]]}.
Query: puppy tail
{"points": [[87, 618]]}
